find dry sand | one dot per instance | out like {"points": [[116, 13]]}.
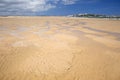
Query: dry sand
{"points": [[59, 48]]}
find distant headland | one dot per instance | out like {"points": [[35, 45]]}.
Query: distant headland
{"points": [[94, 16]]}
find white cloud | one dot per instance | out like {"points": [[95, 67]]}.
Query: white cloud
{"points": [[30, 6], [24, 6], [68, 2]]}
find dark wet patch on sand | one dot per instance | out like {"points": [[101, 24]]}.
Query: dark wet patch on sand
{"points": [[115, 34]]}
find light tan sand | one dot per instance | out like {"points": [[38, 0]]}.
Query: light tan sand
{"points": [[59, 48]]}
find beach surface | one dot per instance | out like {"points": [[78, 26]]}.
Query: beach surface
{"points": [[59, 48]]}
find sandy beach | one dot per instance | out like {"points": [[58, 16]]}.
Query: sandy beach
{"points": [[59, 48]]}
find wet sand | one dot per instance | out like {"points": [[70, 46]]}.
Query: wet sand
{"points": [[59, 48]]}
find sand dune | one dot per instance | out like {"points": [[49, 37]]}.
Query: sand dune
{"points": [[59, 48]]}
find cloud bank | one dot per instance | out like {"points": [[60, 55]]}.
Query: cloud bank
{"points": [[29, 7]]}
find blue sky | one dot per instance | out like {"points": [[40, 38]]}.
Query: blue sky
{"points": [[59, 7]]}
